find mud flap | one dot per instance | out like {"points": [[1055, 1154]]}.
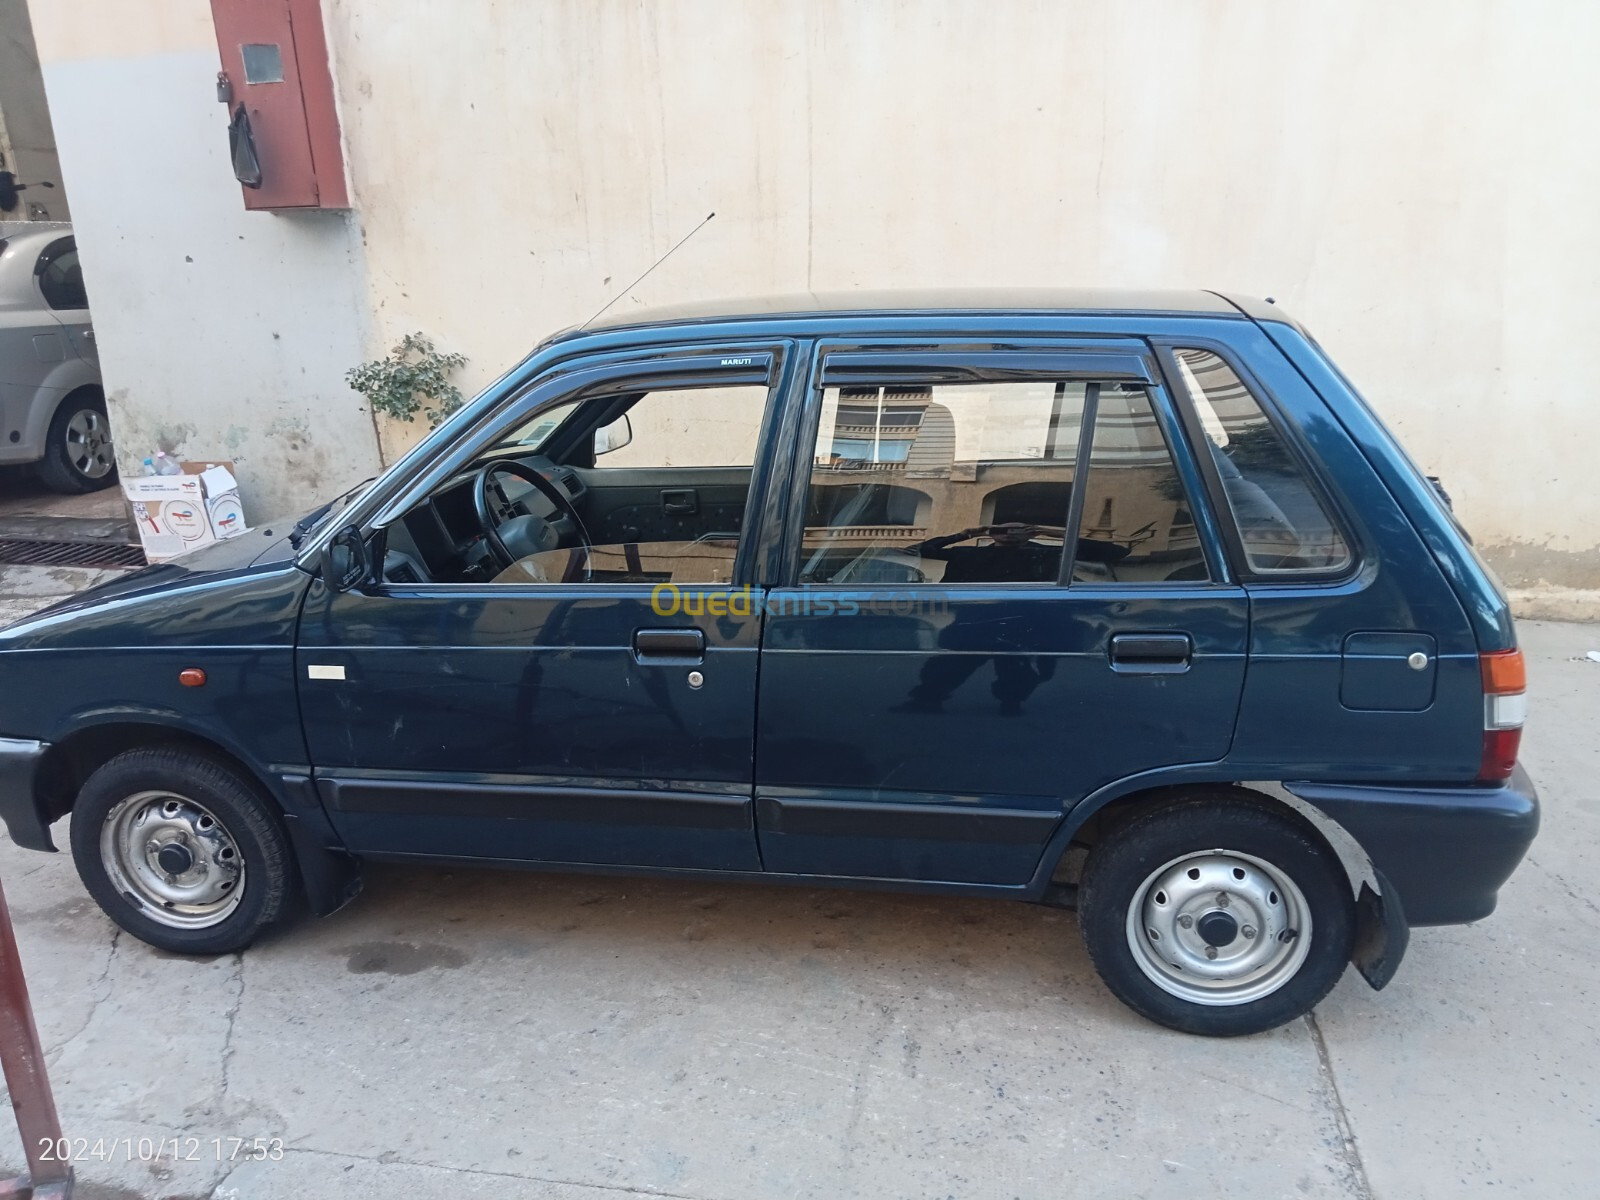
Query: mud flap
{"points": [[1382, 933], [331, 878]]}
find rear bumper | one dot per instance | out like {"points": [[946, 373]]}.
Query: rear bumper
{"points": [[19, 799], [1445, 852]]}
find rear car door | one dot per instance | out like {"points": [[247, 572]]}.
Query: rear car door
{"points": [[61, 284], [527, 718], [944, 669], [33, 344]]}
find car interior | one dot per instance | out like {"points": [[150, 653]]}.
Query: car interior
{"points": [[561, 500], [651, 487]]}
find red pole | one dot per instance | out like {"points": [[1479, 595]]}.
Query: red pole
{"points": [[49, 1173]]}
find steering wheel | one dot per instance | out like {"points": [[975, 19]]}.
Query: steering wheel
{"points": [[513, 538]]}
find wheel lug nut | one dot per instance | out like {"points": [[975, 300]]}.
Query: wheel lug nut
{"points": [[1185, 921], [1222, 899], [1249, 931], [1211, 951]]}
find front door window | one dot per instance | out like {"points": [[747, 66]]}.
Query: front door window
{"points": [[650, 487]]}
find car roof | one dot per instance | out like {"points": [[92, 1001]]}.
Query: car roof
{"points": [[941, 301]]}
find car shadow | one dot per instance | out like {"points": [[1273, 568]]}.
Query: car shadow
{"points": [[410, 919]]}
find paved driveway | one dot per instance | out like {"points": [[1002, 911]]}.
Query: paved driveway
{"points": [[508, 1035]]}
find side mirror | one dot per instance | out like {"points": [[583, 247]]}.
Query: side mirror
{"points": [[613, 436], [345, 561]]}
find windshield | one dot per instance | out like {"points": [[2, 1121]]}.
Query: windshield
{"points": [[537, 431]]}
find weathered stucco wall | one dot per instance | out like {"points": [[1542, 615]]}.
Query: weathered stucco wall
{"points": [[1417, 182], [222, 334]]}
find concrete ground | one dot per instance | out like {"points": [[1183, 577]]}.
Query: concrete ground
{"points": [[30, 510], [495, 1034]]}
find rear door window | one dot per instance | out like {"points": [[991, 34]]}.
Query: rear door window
{"points": [[61, 278], [973, 483], [957, 483], [1137, 525], [1283, 524]]}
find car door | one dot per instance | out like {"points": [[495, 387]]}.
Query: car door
{"points": [[575, 722], [944, 671], [33, 346]]}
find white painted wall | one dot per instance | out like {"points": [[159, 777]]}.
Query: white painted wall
{"points": [[1417, 182], [222, 334]]}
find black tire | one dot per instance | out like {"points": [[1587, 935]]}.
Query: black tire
{"points": [[244, 822], [61, 468], [1226, 821]]}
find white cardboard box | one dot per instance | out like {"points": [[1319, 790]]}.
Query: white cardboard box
{"points": [[179, 513]]}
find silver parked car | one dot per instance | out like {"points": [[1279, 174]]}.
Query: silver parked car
{"points": [[52, 405]]}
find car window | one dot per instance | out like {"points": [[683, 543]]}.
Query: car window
{"points": [[533, 435], [61, 280], [953, 483], [1137, 523], [697, 427], [1282, 523], [683, 521]]}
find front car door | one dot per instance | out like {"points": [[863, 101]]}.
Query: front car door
{"points": [[535, 713], [945, 670]]}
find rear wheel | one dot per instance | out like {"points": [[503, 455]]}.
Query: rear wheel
{"points": [[181, 851], [78, 453], [1217, 915]]}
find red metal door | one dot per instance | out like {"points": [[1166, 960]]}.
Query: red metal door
{"points": [[275, 58]]}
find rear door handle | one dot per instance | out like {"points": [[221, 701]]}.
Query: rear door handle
{"points": [[669, 647], [1150, 653]]}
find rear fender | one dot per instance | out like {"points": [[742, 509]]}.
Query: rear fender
{"points": [[1382, 931]]}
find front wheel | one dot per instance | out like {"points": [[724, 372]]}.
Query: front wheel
{"points": [[181, 851], [1217, 915]]}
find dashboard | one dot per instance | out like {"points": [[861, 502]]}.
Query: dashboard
{"points": [[441, 539]]}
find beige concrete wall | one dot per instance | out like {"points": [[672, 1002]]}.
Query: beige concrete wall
{"points": [[1417, 182]]}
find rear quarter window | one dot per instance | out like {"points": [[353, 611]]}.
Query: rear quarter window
{"points": [[1283, 524]]}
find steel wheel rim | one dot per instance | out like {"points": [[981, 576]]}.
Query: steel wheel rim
{"points": [[88, 442], [1188, 905], [144, 844]]}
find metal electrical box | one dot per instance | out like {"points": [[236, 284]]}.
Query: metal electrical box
{"points": [[283, 126]]}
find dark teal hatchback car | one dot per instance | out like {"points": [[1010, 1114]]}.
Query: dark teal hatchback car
{"points": [[1125, 601]]}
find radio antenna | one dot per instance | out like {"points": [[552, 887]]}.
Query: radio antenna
{"points": [[653, 266]]}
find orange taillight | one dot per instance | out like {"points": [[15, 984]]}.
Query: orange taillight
{"points": [[1503, 672]]}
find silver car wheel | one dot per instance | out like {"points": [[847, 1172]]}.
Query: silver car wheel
{"points": [[1219, 927], [88, 444], [172, 858]]}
